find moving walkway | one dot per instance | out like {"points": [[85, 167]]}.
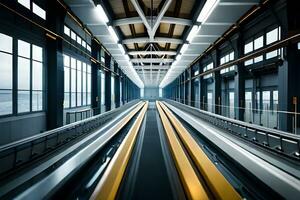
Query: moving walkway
{"points": [[143, 150]]}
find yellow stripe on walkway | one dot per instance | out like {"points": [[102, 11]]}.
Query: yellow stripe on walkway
{"points": [[192, 186], [109, 184], [219, 186]]}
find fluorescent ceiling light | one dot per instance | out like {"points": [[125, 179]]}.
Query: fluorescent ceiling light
{"points": [[121, 48], [193, 33], [174, 63], [299, 45], [102, 14], [207, 9], [178, 57], [127, 57], [184, 48], [113, 34]]}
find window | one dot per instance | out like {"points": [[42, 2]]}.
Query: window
{"points": [[78, 40], [269, 37], [83, 44], [225, 59], [273, 36], [30, 77], [160, 92], [89, 84], [73, 35], [248, 48], [23, 76], [84, 85], [67, 81], [67, 31], [88, 47], [102, 88], [73, 82], [112, 89], [35, 8], [38, 11], [209, 101], [77, 86], [231, 105], [259, 42], [37, 78], [251, 46], [275, 100], [196, 72], [79, 76], [6, 74], [248, 107], [208, 67], [25, 3]]}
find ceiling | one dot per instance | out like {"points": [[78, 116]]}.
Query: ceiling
{"points": [[156, 40]]}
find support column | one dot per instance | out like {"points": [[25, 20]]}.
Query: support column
{"points": [[289, 72], [239, 80], [55, 66], [189, 97], [96, 79], [117, 88], [217, 83], [107, 83]]}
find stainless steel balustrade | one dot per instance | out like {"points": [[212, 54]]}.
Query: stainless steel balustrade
{"points": [[275, 140], [23, 151]]}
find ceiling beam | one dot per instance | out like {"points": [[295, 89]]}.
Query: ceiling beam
{"points": [[160, 16], [238, 3], [142, 15], [152, 67], [156, 39], [171, 53], [151, 60], [138, 20]]}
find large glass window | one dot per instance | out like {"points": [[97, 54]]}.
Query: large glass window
{"points": [[89, 84], [30, 77], [23, 76], [225, 59], [79, 77], [70, 33], [73, 82], [84, 85], [248, 106], [209, 101], [231, 105], [257, 43], [77, 86], [67, 81], [6, 74], [206, 68], [273, 36], [37, 78], [112, 89], [102, 88]]}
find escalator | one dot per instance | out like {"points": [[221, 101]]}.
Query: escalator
{"points": [[151, 173]]}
